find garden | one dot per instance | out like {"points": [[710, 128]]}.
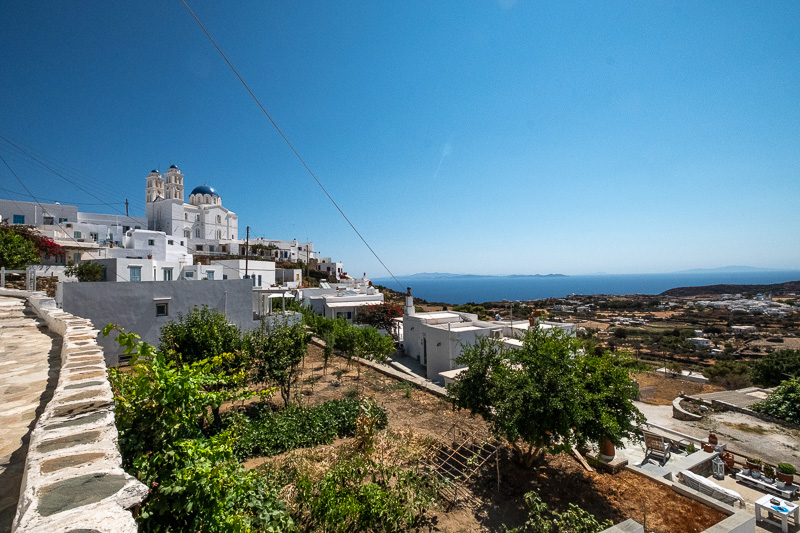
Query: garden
{"points": [[263, 431]]}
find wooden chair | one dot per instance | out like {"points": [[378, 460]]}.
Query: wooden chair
{"points": [[656, 445]]}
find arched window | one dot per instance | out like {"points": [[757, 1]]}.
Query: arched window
{"points": [[219, 219], [187, 233], [197, 217], [197, 232], [186, 216], [219, 234]]}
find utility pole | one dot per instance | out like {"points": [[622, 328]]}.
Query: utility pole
{"points": [[126, 207], [246, 251]]}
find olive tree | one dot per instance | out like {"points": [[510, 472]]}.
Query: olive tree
{"points": [[545, 395]]}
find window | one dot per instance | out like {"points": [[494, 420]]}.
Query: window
{"points": [[224, 276], [181, 243], [170, 242], [19, 219], [188, 275], [199, 247], [137, 227], [48, 221], [259, 280], [210, 274], [210, 247], [162, 309], [197, 217], [125, 228], [187, 233], [219, 234], [186, 216], [151, 242], [93, 236], [167, 272], [76, 234], [197, 232], [65, 219], [76, 258], [135, 273]]}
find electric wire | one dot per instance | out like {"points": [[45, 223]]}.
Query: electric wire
{"points": [[43, 209], [288, 143]]}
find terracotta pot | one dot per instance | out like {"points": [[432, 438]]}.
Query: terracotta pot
{"points": [[707, 447], [727, 458], [607, 450], [712, 439], [753, 466], [786, 478]]}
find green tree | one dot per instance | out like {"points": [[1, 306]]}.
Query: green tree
{"points": [[86, 271], [277, 351], [544, 395], [16, 252], [776, 367], [783, 402]]}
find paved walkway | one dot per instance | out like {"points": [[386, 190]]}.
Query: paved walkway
{"points": [[29, 363]]}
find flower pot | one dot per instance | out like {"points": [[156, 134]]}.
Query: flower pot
{"points": [[708, 447], [753, 466], [745, 471], [607, 451], [780, 483], [712, 439], [756, 474], [768, 480], [727, 458]]}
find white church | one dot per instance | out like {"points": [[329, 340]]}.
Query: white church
{"points": [[203, 224]]}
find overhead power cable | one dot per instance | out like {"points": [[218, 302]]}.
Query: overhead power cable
{"points": [[286, 140], [119, 276]]}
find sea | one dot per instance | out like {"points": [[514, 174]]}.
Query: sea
{"points": [[478, 289]]}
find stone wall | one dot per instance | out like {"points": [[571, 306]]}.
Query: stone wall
{"points": [[73, 477]]}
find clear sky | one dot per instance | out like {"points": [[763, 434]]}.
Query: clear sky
{"points": [[488, 137]]}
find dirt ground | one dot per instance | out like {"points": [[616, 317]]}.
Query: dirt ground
{"points": [[666, 389], [560, 481]]}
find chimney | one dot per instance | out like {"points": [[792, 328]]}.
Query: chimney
{"points": [[409, 310]]}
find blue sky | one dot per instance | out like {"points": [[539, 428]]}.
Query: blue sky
{"points": [[468, 137]]}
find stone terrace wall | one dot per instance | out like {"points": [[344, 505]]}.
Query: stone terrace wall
{"points": [[73, 477]]}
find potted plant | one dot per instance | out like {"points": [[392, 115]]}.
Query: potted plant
{"points": [[754, 463], [727, 458], [768, 473], [707, 447], [712, 439], [690, 449], [786, 473]]}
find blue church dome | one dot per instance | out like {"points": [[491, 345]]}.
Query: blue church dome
{"points": [[204, 189]]}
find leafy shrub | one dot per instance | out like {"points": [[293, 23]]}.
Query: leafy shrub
{"points": [[16, 252], [543, 520], [195, 482], [776, 367], [86, 271], [298, 427], [729, 374], [783, 402], [358, 494]]}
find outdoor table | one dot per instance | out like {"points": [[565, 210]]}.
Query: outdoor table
{"points": [[784, 510]]}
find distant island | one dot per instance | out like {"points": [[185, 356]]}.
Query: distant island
{"points": [[725, 270], [445, 275], [777, 289]]}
